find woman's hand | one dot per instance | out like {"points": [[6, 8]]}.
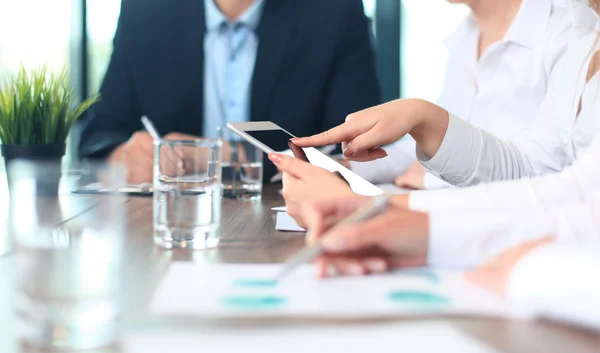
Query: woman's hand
{"points": [[364, 132], [413, 178], [393, 239], [303, 182], [495, 274]]}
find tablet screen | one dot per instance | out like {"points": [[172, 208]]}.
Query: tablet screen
{"points": [[271, 138]]}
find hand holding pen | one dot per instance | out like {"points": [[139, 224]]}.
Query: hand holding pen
{"points": [[391, 239]]}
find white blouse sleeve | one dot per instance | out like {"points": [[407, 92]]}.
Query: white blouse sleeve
{"points": [[575, 184], [467, 238], [560, 282]]}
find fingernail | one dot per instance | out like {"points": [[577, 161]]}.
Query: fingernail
{"points": [[346, 148], [355, 270], [275, 158], [376, 265], [347, 151], [295, 139]]}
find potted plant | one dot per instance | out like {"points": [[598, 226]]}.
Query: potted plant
{"points": [[36, 116]]}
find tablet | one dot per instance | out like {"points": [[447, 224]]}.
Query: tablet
{"points": [[264, 134]]}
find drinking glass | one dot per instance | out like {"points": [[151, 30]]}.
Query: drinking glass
{"points": [[242, 170], [68, 281], [187, 193]]}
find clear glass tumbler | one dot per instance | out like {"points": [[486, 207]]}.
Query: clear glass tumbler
{"points": [[69, 270], [187, 193], [242, 170]]}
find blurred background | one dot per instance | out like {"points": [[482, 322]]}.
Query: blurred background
{"points": [[408, 36]]}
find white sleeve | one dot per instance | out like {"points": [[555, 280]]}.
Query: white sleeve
{"points": [[467, 238], [560, 282], [469, 155], [401, 155], [576, 184]]}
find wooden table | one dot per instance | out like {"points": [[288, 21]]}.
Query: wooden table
{"points": [[249, 236]]}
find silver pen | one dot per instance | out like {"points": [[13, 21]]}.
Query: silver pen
{"points": [[150, 128], [374, 207]]}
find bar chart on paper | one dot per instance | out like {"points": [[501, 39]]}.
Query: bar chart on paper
{"points": [[249, 291]]}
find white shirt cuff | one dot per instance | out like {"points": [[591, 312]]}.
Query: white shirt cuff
{"points": [[456, 158]]}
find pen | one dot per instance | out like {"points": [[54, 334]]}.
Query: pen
{"points": [[377, 205], [150, 128], [156, 138]]}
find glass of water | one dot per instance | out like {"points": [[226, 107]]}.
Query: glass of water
{"points": [[187, 193], [242, 170], [68, 282]]}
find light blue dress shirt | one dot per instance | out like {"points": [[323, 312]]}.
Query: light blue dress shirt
{"points": [[229, 56]]}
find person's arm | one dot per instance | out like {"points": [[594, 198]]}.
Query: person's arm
{"points": [[559, 282], [447, 146], [113, 120], [458, 152], [466, 238], [353, 84], [576, 184]]}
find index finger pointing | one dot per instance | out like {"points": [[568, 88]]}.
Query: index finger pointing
{"points": [[342, 133]]}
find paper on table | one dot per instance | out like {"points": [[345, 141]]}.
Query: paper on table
{"points": [[356, 338], [286, 223], [246, 291], [99, 188]]}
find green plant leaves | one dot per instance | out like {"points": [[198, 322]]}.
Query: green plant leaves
{"points": [[36, 107]]}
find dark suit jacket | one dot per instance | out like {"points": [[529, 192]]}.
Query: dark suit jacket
{"points": [[314, 65]]}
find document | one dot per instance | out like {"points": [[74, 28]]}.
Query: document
{"points": [[286, 223], [387, 337], [224, 290]]}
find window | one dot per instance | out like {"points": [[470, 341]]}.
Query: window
{"points": [[34, 32], [102, 18], [44, 38]]}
